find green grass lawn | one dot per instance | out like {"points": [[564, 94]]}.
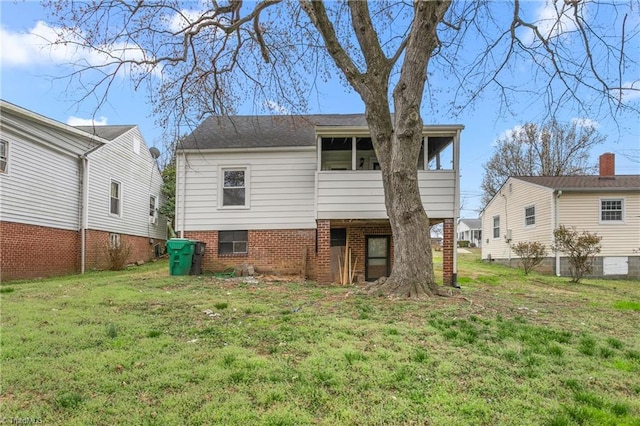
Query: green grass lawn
{"points": [[141, 347]]}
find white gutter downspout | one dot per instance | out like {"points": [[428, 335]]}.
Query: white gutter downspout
{"points": [[556, 220], [184, 192], [84, 211]]}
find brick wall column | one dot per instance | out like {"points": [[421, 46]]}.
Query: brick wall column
{"points": [[323, 259], [447, 252]]}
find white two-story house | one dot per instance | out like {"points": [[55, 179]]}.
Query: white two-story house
{"points": [[67, 193], [304, 194]]}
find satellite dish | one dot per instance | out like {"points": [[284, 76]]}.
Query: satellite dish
{"points": [[155, 152]]}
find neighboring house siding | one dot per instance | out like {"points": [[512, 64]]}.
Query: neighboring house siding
{"points": [[510, 206], [41, 186], [280, 191], [582, 211], [360, 194], [139, 178]]}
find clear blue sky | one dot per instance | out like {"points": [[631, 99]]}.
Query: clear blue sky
{"points": [[28, 79]]}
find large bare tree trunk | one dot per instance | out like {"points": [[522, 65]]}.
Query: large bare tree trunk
{"points": [[396, 138]]}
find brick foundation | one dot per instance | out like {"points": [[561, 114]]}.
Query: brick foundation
{"points": [[282, 251], [96, 255], [30, 251], [277, 251]]}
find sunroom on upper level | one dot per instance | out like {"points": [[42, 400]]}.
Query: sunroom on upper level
{"points": [[357, 153], [349, 185]]}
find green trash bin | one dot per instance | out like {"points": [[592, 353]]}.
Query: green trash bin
{"points": [[180, 255]]}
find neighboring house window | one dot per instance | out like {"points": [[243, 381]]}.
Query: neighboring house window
{"points": [[4, 156], [234, 187], [611, 210], [530, 216], [115, 198], [232, 242], [153, 209], [496, 227]]}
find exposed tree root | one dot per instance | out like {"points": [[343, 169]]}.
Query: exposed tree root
{"points": [[386, 287]]}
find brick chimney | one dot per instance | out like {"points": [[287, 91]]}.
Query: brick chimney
{"points": [[607, 165]]}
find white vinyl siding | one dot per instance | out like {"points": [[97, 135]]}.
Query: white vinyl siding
{"points": [[41, 185], [581, 210], [611, 210], [35, 193], [139, 179], [360, 194], [512, 205], [281, 190], [530, 216]]}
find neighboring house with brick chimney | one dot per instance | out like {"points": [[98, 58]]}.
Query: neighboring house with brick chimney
{"points": [[67, 192], [304, 195], [529, 208]]}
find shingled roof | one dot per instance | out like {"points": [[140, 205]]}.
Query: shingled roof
{"points": [[264, 131], [106, 132], [585, 183]]}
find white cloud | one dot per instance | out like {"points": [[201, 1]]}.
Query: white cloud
{"points": [[178, 21], [77, 121], [552, 19], [585, 122], [630, 91], [508, 134], [276, 107], [40, 46]]}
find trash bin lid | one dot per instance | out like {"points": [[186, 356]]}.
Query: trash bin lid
{"points": [[179, 243]]}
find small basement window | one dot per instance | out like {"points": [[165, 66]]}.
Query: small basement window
{"points": [[233, 242]]}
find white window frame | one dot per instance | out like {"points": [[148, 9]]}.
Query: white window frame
{"points": [[153, 211], [493, 226], [607, 221], [5, 158], [247, 187], [114, 241], [111, 182], [530, 225]]}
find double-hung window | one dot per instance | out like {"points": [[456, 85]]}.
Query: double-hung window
{"points": [[153, 209], [496, 227], [529, 216], [232, 242], [234, 187], [611, 210], [4, 155], [115, 198]]}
